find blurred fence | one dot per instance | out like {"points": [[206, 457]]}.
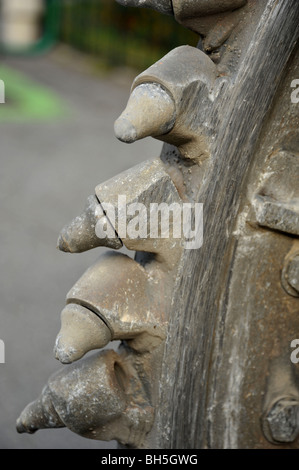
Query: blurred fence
{"points": [[118, 35]]}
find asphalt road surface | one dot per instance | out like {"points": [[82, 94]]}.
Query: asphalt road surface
{"points": [[53, 154]]}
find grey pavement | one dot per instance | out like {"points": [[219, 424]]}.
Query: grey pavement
{"points": [[48, 169]]}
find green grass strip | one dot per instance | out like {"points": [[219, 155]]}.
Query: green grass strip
{"points": [[26, 100]]}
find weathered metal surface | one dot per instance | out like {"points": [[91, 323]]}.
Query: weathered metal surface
{"points": [[215, 20], [146, 184], [222, 377], [234, 332]]}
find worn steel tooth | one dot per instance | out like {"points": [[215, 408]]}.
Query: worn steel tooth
{"points": [[40, 414], [80, 235], [73, 389], [161, 102], [81, 331], [150, 112], [101, 397]]}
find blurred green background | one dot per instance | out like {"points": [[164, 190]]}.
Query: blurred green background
{"points": [[134, 37], [103, 29]]}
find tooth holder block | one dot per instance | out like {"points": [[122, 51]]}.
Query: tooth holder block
{"points": [[147, 183], [125, 297]]}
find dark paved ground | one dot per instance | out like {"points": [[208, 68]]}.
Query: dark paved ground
{"points": [[48, 169]]}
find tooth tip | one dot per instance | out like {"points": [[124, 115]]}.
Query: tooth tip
{"points": [[62, 245], [63, 354], [20, 427], [125, 131], [64, 359]]}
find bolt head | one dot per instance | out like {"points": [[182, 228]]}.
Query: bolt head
{"points": [[283, 421], [293, 273]]}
